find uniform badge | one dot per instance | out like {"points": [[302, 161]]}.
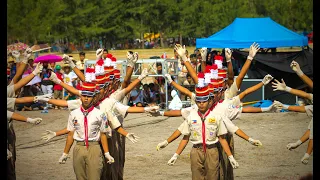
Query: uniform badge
{"points": [[106, 124], [194, 121], [195, 134], [212, 120], [75, 122], [103, 116], [211, 133]]}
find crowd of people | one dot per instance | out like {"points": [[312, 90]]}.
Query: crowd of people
{"points": [[98, 103]]}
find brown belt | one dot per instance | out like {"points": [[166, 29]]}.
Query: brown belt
{"points": [[82, 143], [208, 146]]}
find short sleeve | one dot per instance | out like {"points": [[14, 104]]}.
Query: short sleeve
{"points": [[74, 104], [113, 120], [222, 127], [193, 98], [185, 112], [231, 91], [70, 126], [184, 128], [121, 108], [309, 110], [104, 122], [9, 115], [11, 103], [229, 125], [10, 91]]}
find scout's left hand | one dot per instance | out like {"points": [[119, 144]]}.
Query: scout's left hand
{"points": [[132, 137], [38, 69], [305, 158], [203, 52], [228, 54], [233, 162], [109, 158], [99, 53], [63, 158], [151, 109], [296, 68], [35, 121], [173, 159], [267, 79], [255, 142], [143, 74], [280, 86]]}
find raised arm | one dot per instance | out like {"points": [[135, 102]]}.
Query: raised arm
{"points": [[279, 105], [27, 79], [22, 65], [132, 58], [68, 59], [251, 89], [228, 55], [181, 89], [296, 68], [18, 117], [182, 53], [50, 134], [53, 77], [283, 87]]}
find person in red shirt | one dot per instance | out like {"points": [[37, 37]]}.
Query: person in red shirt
{"points": [[57, 88]]}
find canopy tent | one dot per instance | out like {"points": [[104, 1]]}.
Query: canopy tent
{"points": [[242, 32]]}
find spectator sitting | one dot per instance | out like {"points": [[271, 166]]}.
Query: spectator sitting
{"points": [[188, 81], [136, 97], [147, 95]]}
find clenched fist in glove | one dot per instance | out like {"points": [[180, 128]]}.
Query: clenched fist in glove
{"points": [[42, 98], [173, 159], [48, 135], [99, 53], [204, 52], [35, 121], [143, 74], [291, 146], [27, 54], [38, 69], [280, 86], [181, 50], [280, 106], [151, 109], [305, 158], [132, 137], [16, 54], [155, 114], [254, 48], [168, 78], [296, 68], [233, 162], [63, 158], [272, 108], [68, 60], [162, 145], [109, 158], [254, 142], [228, 54], [267, 79], [54, 78]]}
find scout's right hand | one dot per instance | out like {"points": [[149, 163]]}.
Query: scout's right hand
{"points": [[48, 135], [162, 145], [233, 162], [109, 158], [173, 159], [42, 98], [63, 158], [54, 78]]}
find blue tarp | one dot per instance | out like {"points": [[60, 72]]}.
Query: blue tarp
{"points": [[242, 32]]}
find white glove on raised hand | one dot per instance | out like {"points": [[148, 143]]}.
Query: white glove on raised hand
{"points": [[305, 158], [16, 54], [228, 54], [38, 69], [280, 86], [151, 109], [42, 98], [68, 60], [296, 68], [34, 120], [9, 154], [294, 145], [133, 138], [168, 77], [203, 52], [173, 159], [136, 57], [48, 135], [254, 142], [233, 162], [99, 53], [63, 158], [254, 48], [54, 78], [109, 158], [162, 145], [27, 54], [155, 114], [143, 74], [130, 58], [181, 50], [267, 79]]}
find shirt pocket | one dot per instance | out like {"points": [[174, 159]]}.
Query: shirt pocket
{"points": [[212, 132], [195, 131]]}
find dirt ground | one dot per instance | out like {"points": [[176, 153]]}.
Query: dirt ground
{"points": [[38, 160]]}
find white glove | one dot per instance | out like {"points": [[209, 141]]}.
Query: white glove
{"points": [[233, 162], [99, 53], [181, 50], [63, 158], [267, 79], [34, 121], [254, 48], [227, 53], [296, 68], [255, 142], [203, 52], [54, 78], [68, 60], [305, 158], [173, 159], [9, 154], [27, 54], [136, 57], [143, 74], [38, 69], [48, 135], [280, 106], [291, 146], [168, 77], [280, 86], [162, 145], [151, 109], [43, 98], [16, 54], [155, 114], [132, 137], [130, 58], [109, 158]]}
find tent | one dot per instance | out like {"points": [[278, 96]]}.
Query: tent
{"points": [[242, 32]]}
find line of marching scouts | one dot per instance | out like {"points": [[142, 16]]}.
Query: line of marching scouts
{"points": [[96, 119]]}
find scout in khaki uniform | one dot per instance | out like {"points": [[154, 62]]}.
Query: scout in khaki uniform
{"points": [[87, 125]]}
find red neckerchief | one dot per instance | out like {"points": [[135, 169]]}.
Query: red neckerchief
{"points": [[203, 118], [85, 113]]}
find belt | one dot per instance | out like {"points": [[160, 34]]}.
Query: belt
{"points": [[82, 143], [209, 146]]}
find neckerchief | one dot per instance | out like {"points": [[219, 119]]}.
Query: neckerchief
{"points": [[203, 118], [85, 113]]}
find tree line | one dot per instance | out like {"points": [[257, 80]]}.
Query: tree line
{"points": [[79, 21]]}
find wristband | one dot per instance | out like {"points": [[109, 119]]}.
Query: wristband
{"points": [[176, 155], [288, 89], [250, 58], [299, 73]]}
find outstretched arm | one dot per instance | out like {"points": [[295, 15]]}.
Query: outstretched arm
{"points": [[283, 87], [21, 67], [132, 58], [182, 53], [53, 77], [68, 60], [265, 81], [181, 89], [228, 55], [58, 102], [24, 100]]}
